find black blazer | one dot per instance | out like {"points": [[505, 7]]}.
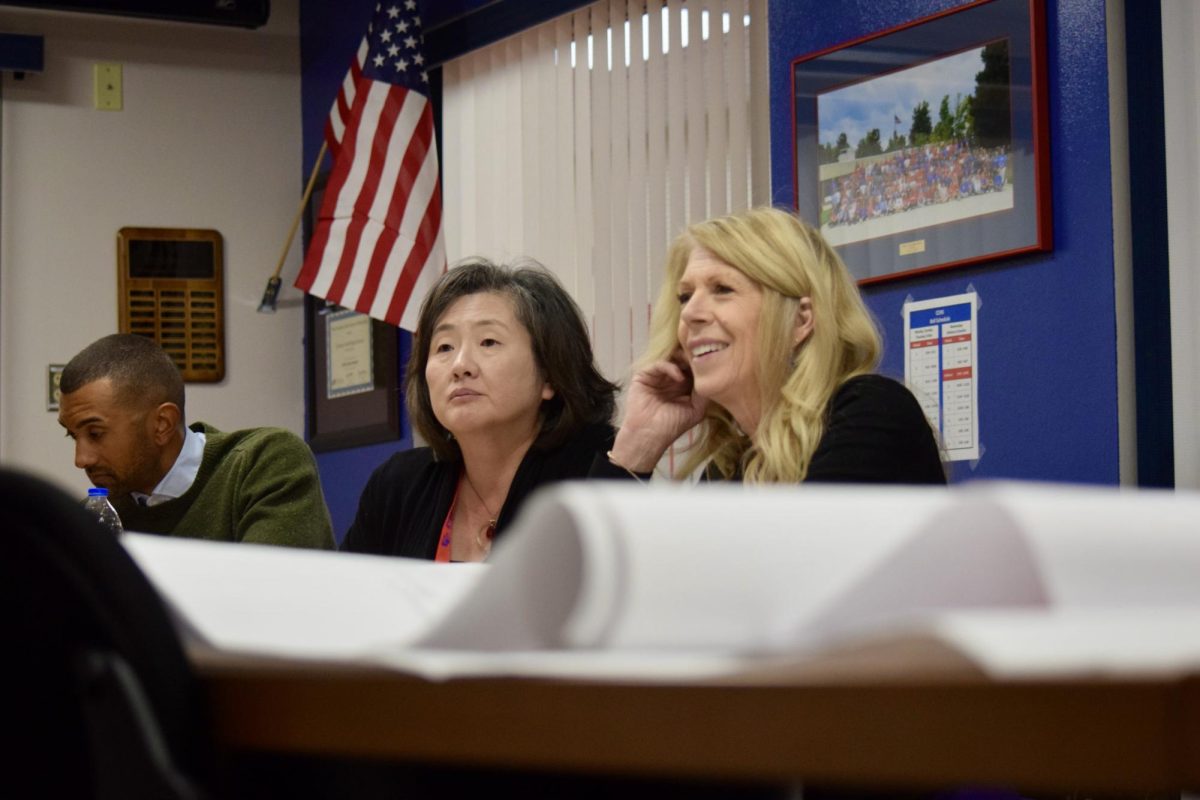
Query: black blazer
{"points": [[405, 502], [875, 432]]}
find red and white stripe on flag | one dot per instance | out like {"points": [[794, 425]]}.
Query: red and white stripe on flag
{"points": [[339, 115], [377, 246]]}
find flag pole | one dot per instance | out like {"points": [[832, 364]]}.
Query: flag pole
{"points": [[271, 293]]}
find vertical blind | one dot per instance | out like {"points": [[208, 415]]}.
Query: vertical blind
{"points": [[589, 142]]}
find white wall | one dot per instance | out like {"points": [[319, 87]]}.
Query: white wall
{"points": [[209, 138], [1181, 76]]}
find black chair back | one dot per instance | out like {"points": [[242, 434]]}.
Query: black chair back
{"points": [[101, 701]]}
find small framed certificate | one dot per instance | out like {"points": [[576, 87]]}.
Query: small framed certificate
{"points": [[349, 363], [353, 366], [354, 395]]}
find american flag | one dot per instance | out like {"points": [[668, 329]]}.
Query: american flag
{"points": [[378, 241]]}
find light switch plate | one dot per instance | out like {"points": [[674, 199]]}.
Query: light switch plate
{"points": [[107, 86], [53, 394]]}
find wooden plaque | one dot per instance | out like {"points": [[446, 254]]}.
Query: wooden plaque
{"points": [[170, 289]]}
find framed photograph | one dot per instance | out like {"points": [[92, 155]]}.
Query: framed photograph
{"points": [[354, 366], [924, 147], [354, 395]]}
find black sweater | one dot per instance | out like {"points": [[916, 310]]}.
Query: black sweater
{"points": [[405, 502], [875, 432]]}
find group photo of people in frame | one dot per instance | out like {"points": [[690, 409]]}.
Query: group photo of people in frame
{"points": [[948, 156]]}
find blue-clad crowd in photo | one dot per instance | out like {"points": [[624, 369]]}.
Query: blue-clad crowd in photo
{"points": [[912, 178]]}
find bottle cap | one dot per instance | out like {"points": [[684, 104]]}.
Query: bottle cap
{"points": [[97, 491]]}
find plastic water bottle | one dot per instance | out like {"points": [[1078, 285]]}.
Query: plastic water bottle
{"points": [[97, 503]]}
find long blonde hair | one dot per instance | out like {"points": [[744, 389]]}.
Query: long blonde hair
{"points": [[789, 260]]}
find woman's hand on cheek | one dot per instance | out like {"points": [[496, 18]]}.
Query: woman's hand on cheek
{"points": [[659, 408]]}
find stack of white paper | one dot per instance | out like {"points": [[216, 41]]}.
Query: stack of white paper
{"points": [[608, 578]]}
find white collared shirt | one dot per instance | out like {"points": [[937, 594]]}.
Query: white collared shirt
{"points": [[182, 473]]}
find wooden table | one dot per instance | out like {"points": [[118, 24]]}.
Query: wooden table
{"points": [[942, 726]]}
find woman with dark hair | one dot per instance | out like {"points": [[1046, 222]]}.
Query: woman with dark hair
{"points": [[503, 386]]}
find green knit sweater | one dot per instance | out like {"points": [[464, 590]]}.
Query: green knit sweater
{"points": [[257, 485]]}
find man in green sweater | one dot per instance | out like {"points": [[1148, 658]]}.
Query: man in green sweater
{"points": [[122, 403]]}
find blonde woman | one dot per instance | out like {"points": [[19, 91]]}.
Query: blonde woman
{"points": [[761, 342]]}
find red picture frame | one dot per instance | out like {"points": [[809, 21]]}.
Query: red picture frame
{"points": [[925, 147]]}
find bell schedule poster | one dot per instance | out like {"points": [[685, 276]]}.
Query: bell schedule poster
{"points": [[941, 338]]}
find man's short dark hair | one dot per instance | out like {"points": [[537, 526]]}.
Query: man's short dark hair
{"points": [[560, 342], [138, 368]]}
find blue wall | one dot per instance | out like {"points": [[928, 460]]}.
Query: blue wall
{"points": [[1047, 340], [1047, 327], [329, 35]]}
